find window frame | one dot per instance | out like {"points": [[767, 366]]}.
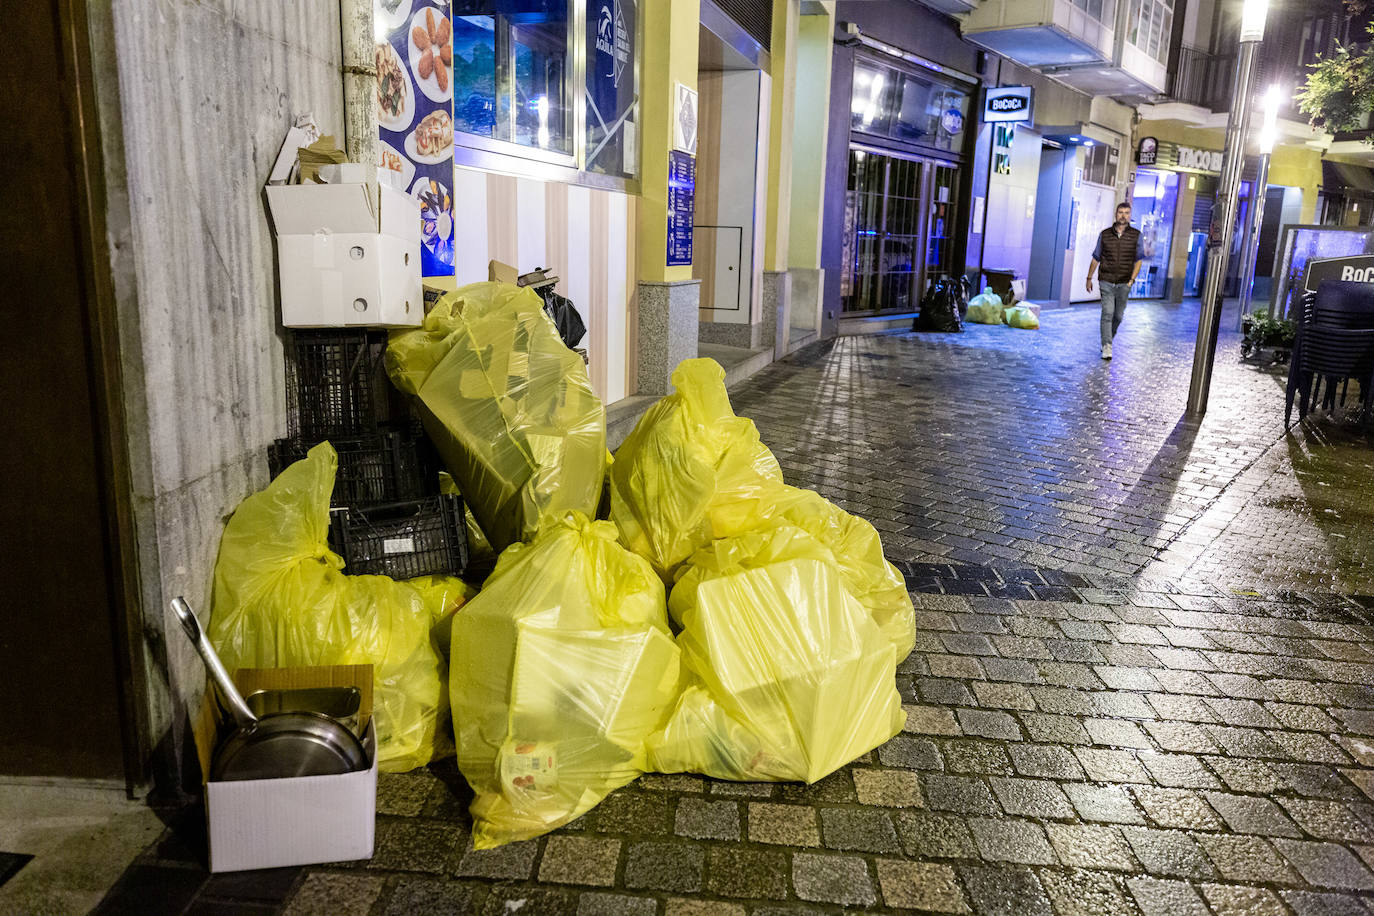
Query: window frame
{"points": [[490, 154]]}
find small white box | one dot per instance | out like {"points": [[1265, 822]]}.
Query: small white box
{"points": [[299, 820], [347, 258]]}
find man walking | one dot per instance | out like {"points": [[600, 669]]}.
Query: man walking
{"points": [[1118, 251]]}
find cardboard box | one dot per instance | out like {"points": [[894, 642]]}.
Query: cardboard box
{"points": [[348, 255], [274, 823]]}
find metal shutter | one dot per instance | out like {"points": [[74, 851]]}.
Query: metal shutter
{"points": [[754, 16]]}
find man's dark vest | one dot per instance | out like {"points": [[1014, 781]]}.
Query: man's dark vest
{"points": [[1118, 254]]}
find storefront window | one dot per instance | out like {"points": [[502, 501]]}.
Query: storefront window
{"points": [[612, 88], [1152, 212], [892, 103]]}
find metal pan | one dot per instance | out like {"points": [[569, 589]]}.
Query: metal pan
{"points": [[279, 744]]}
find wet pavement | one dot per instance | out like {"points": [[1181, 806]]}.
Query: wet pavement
{"points": [[1141, 685]]}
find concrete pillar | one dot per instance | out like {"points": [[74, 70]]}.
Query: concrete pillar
{"points": [[810, 131], [777, 313], [1183, 222], [667, 331]]}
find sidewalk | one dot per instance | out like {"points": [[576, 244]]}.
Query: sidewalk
{"points": [[1139, 685]]}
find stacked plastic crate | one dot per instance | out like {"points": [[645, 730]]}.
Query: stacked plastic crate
{"points": [[387, 515]]}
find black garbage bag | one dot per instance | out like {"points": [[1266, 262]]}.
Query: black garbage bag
{"points": [[940, 309], [565, 316]]}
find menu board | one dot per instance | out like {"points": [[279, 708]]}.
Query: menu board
{"points": [[415, 116], [682, 190]]}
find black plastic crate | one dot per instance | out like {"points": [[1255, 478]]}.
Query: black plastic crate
{"points": [[402, 539], [392, 465], [336, 384]]}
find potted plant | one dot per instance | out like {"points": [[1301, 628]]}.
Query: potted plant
{"points": [[1266, 335]]}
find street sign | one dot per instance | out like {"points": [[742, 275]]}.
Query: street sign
{"points": [[1008, 103]]}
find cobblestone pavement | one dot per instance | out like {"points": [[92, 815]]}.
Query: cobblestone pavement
{"points": [[1141, 683]]}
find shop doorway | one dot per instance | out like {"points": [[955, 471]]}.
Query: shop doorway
{"points": [[1053, 228], [732, 119], [899, 229], [1153, 202]]}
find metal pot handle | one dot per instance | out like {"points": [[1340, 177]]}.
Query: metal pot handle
{"points": [[243, 716]]}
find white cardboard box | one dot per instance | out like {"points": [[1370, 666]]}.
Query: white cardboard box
{"points": [[299, 820], [347, 258]]}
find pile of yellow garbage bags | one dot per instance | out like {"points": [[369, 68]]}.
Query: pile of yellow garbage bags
{"points": [[719, 622]]}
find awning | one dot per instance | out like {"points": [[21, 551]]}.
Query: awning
{"points": [[1341, 176]]}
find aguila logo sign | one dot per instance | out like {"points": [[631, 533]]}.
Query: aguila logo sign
{"points": [[613, 39]]}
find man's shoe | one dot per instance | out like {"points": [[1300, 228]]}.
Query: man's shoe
{"points": [[1106, 351]]}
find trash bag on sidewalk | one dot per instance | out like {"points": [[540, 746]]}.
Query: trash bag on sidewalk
{"points": [[281, 599], [688, 467], [986, 308], [565, 316], [939, 308], [788, 676], [692, 471], [561, 668], [1021, 316], [508, 406]]}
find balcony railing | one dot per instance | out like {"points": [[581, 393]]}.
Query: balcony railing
{"points": [[1203, 79]]}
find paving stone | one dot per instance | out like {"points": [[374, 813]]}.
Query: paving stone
{"points": [[1007, 891], [960, 794], [1031, 798], [832, 879], [739, 871], [1086, 846], [887, 788], [513, 861], [1078, 892], [707, 820], [930, 720], [333, 892], [1315, 903], [595, 903], [1179, 808], [972, 756], [1107, 804], [1010, 840], [1178, 771], [580, 860], [404, 794], [1168, 852], [1054, 729], [941, 836], [1253, 776], [1047, 760], [1237, 900], [1329, 820], [1160, 897], [664, 866], [837, 787], [859, 829], [416, 846], [1117, 733], [1326, 864], [783, 825], [1245, 858], [1245, 814], [1184, 737], [1002, 696], [989, 724], [681, 906], [428, 895], [1103, 765], [920, 886], [671, 782], [632, 813], [912, 753]]}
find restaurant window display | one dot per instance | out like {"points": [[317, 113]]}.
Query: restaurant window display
{"points": [[1152, 212]]}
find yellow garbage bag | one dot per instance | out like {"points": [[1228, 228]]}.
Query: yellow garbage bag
{"points": [[689, 466], [1020, 316], [508, 406], [788, 676], [281, 599], [692, 471], [985, 308], [561, 668]]}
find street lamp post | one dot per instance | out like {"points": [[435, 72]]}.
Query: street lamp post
{"points": [[1250, 252], [1233, 158]]}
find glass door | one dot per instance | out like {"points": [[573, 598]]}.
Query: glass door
{"points": [[944, 201]]}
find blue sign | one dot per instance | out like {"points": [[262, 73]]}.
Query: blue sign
{"points": [[610, 82], [682, 194]]}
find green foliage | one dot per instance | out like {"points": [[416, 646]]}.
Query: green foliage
{"points": [[1339, 93], [1264, 330]]}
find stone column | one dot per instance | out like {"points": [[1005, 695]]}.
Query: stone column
{"points": [[777, 315], [667, 331]]}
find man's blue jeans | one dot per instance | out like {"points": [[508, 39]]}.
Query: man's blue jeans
{"points": [[1113, 307]]}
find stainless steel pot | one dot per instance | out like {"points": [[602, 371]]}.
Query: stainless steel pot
{"points": [[278, 744]]}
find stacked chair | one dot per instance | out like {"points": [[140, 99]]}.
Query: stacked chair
{"points": [[387, 516], [1334, 345]]}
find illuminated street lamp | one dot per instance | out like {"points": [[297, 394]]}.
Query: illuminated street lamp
{"points": [[1250, 252], [1224, 211]]}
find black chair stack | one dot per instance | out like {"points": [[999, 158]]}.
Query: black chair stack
{"points": [[1334, 345], [387, 516]]}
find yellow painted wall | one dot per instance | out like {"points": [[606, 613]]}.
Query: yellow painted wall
{"points": [[810, 130], [786, 16], [670, 42]]}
